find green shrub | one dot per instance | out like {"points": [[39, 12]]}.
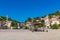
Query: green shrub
{"points": [[26, 27], [15, 28], [55, 26]]}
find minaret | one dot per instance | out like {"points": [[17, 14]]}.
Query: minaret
{"points": [[7, 18], [18, 25], [8, 23]]}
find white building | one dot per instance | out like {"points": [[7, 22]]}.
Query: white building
{"points": [[54, 20], [8, 24], [47, 22]]}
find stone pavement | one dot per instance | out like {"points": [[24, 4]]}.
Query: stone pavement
{"points": [[28, 35]]}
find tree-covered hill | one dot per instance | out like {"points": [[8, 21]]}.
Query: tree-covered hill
{"points": [[57, 13], [13, 24], [2, 18]]}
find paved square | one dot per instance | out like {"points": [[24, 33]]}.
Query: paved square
{"points": [[28, 35]]}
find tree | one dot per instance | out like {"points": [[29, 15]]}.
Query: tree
{"points": [[14, 24], [42, 23], [57, 13], [30, 19], [55, 26]]}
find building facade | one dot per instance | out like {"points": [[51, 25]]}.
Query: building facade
{"points": [[54, 20], [47, 22]]}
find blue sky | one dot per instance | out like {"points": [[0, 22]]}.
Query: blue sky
{"points": [[20, 10]]}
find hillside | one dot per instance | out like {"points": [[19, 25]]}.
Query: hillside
{"points": [[14, 22], [57, 13]]}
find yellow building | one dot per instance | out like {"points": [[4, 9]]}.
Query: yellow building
{"points": [[8, 24]]}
